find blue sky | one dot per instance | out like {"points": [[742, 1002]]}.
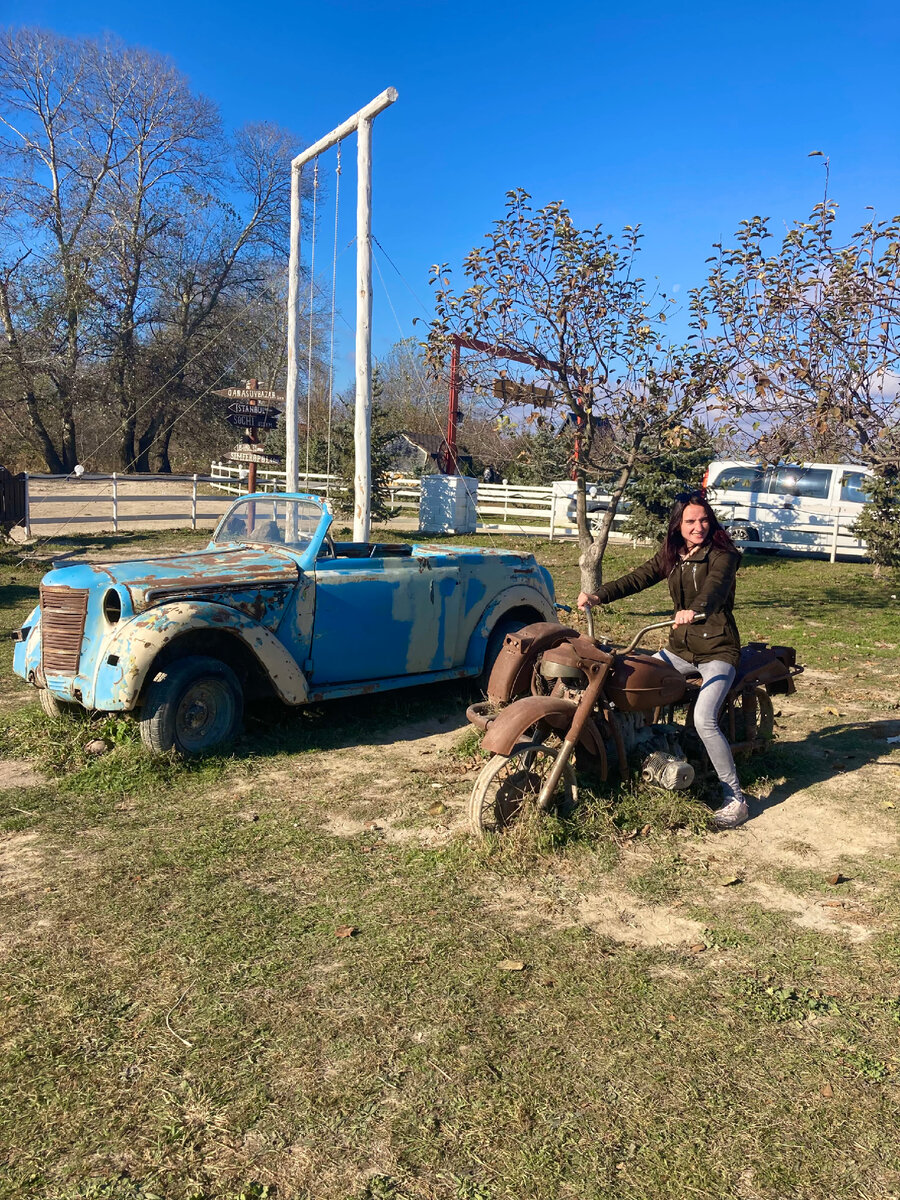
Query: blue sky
{"points": [[683, 119]]}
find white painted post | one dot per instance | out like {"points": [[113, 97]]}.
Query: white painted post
{"points": [[292, 393], [362, 428], [194, 503], [834, 539], [27, 507], [115, 503]]}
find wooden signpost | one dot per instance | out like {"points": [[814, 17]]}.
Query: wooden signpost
{"points": [[247, 413], [530, 394]]}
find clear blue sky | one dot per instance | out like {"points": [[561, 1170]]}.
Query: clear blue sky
{"points": [[683, 118]]}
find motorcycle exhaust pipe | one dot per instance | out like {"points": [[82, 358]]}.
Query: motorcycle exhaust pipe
{"points": [[665, 770]]}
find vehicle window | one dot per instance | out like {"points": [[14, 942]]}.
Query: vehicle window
{"points": [[852, 483], [275, 522], [740, 479], [795, 481]]}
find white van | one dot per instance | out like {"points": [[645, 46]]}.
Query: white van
{"points": [[804, 508]]}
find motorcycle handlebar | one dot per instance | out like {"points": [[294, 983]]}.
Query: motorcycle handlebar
{"points": [[698, 619]]}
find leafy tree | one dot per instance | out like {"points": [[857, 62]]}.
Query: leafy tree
{"points": [[678, 467], [810, 328], [571, 303], [879, 523]]}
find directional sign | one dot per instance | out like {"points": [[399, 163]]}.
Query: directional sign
{"points": [[253, 419], [249, 455], [511, 392], [255, 408], [248, 394]]}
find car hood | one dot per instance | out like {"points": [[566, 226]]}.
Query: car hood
{"points": [[149, 580]]}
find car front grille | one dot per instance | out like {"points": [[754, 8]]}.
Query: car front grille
{"points": [[63, 612]]}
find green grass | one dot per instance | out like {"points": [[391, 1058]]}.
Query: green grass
{"points": [[182, 1022]]}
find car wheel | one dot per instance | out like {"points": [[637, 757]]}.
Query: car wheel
{"points": [[59, 710], [192, 707], [743, 533]]}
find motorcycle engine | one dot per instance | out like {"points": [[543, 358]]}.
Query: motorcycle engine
{"points": [[668, 771]]}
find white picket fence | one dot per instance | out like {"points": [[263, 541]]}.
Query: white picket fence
{"points": [[500, 507]]}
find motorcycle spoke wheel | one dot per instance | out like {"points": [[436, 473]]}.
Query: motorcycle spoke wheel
{"points": [[508, 787]]}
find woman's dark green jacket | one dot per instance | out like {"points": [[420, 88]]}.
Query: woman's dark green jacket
{"points": [[705, 583]]}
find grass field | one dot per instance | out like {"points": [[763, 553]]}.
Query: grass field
{"points": [[288, 973]]}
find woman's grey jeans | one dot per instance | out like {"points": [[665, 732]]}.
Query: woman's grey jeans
{"points": [[717, 677]]}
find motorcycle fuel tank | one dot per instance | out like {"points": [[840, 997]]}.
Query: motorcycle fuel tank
{"points": [[639, 683]]}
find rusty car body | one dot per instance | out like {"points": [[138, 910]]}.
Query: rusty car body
{"points": [[271, 607]]}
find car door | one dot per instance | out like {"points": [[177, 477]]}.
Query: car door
{"points": [[378, 618], [801, 498]]}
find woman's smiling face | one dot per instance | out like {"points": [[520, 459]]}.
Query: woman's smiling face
{"points": [[694, 525]]}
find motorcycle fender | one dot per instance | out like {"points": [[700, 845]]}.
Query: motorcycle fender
{"points": [[766, 669], [511, 675], [506, 729]]}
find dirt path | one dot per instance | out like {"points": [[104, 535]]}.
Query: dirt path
{"points": [[411, 787]]}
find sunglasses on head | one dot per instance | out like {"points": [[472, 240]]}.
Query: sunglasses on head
{"points": [[687, 497]]}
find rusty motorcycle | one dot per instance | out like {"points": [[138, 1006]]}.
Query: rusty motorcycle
{"points": [[554, 691]]}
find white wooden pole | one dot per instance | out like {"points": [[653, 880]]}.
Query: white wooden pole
{"points": [[362, 482], [365, 117], [292, 393], [372, 109]]}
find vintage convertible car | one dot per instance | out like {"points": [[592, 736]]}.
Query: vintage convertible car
{"points": [[271, 607]]}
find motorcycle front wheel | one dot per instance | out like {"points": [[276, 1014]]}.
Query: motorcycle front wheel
{"points": [[508, 787]]}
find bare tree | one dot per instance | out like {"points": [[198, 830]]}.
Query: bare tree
{"points": [[571, 303], [128, 224], [58, 149], [224, 247]]}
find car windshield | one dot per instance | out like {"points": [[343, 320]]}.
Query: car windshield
{"points": [[272, 521]]}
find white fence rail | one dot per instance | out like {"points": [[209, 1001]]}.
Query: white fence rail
{"points": [[56, 504], [506, 507]]}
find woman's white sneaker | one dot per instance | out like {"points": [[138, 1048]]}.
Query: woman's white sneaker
{"points": [[732, 814]]}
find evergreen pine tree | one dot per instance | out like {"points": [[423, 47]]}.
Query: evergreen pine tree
{"points": [[879, 523]]}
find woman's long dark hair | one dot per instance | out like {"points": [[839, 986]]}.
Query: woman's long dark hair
{"points": [[673, 544]]}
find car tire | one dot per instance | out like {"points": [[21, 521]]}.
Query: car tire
{"points": [[192, 707], [743, 533], [59, 710]]}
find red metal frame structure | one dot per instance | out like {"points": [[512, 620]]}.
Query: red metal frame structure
{"points": [[449, 455]]}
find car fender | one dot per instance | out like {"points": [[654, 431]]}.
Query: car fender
{"points": [[135, 645], [507, 728], [518, 596]]}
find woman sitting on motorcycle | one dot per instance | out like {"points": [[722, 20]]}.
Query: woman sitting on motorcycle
{"points": [[699, 561]]}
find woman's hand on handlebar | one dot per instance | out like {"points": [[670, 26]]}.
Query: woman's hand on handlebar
{"points": [[586, 600], [684, 617]]}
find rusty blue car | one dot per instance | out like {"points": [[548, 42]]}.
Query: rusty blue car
{"points": [[272, 607]]}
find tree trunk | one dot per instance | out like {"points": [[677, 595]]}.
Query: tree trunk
{"points": [[51, 458], [591, 561], [163, 463]]}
